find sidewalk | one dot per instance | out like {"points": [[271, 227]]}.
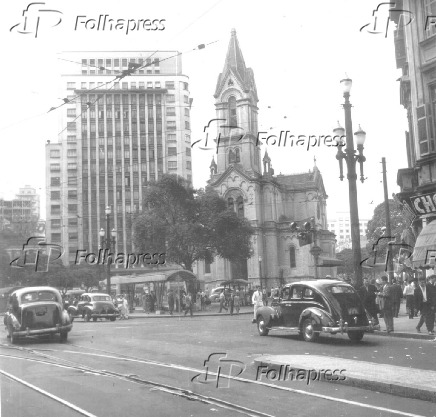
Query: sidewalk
{"points": [[212, 310], [396, 380]]}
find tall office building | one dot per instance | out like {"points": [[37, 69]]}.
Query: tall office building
{"points": [[340, 226], [124, 121]]}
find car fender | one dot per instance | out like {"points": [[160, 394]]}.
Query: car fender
{"points": [[319, 316], [73, 310], [267, 313]]}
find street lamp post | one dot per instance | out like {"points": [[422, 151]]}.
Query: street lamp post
{"points": [[260, 270], [351, 158], [108, 242]]}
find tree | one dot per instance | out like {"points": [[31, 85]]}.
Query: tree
{"points": [[189, 225], [377, 225]]}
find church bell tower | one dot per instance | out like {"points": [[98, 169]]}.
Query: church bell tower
{"points": [[236, 109]]}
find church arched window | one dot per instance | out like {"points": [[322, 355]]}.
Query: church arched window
{"points": [[232, 157], [237, 155], [233, 120], [292, 257], [240, 207], [230, 203]]}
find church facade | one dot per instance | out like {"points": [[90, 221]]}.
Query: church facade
{"points": [[272, 203]]}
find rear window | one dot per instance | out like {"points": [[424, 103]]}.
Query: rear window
{"points": [[340, 289], [30, 297], [101, 298]]}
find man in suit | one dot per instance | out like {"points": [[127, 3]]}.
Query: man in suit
{"points": [[368, 295], [398, 294], [425, 300], [387, 295]]}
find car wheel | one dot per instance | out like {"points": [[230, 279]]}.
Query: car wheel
{"points": [[64, 336], [113, 318], [261, 326], [356, 336], [87, 316], [309, 333], [12, 338], [94, 319]]}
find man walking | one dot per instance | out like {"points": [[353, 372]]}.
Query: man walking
{"points": [[222, 302], [387, 303], [368, 295], [188, 304], [171, 301], [257, 301], [397, 294], [425, 303], [409, 293]]}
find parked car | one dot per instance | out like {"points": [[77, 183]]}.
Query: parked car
{"points": [[94, 306], [36, 311], [313, 307], [215, 293]]}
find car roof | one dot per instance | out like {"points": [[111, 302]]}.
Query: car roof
{"points": [[318, 283], [21, 291], [95, 293]]}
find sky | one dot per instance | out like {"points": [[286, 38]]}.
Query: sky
{"points": [[299, 52]]}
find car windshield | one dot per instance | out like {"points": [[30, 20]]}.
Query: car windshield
{"points": [[340, 289], [101, 298], [30, 297]]}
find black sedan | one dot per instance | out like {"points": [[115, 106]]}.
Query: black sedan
{"points": [[94, 306], [312, 307], [36, 311]]}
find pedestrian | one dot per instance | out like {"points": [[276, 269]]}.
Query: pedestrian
{"points": [[409, 293], [397, 294], [368, 295], [264, 297], [222, 302], [425, 300], [386, 297], [231, 303], [257, 301], [432, 280], [202, 300], [171, 301], [188, 304], [124, 308], [144, 302], [237, 302]]}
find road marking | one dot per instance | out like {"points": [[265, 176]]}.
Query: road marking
{"points": [[293, 390], [47, 394]]}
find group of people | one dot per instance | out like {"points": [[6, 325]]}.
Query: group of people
{"points": [[384, 298], [230, 301]]}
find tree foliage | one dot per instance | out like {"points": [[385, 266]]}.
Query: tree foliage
{"points": [[189, 225], [376, 226]]}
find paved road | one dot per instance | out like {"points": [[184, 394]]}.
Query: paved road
{"points": [[156, 367]]}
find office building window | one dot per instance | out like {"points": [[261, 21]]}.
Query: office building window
{"points": [[171, 98], [188, 151], [55, 181], [186, 99], [71, 138], [55, 237], [172, 164], [171, 125], [171, 111], [55, 167], [186, 112], [55, 195], [71, 86], [169, 85], [55, 209], [72, 222], [55, 153], [71, 152], [72, 180], [55, 223], [172, 151], [71, 125], [188, 165], [171, 137], [187, 126]]}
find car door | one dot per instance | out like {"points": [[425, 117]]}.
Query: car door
{"points": [[292, 305]]}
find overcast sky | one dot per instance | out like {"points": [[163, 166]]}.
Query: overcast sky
{"points": [[299, 51]]}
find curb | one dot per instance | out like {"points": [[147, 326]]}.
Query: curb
{"points": [[168, 316], [405, 335], [379, 386]]}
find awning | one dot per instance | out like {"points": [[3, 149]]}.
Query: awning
{"points": [[174, 275], [424, 252], [329, 262]]}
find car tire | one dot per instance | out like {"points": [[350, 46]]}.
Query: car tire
{"points": [[113, 318], [356, 335], [309, 334], [94, 319], [12, 338], [64, 336], [87, 316], [261, 326]]}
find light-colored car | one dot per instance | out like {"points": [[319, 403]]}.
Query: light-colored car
{"points": [[36, 311], [215, 293], [94, 306]]}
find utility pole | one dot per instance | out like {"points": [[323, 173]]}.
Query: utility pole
{"points": [[388, 222]]}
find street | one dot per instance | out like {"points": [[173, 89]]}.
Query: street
{"points": [[156, 367]]}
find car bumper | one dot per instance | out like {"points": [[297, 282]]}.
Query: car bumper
{"points": [[104, 315], [345, 329], [50, 330]]}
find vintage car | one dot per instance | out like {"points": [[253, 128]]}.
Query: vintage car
{"points": [[36, 311], [94, 306], [313, 307]]}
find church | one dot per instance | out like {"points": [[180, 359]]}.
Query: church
{"points": [[288, 212]]}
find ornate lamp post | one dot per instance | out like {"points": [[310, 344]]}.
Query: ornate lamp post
{"points": [[260, 270], [351, 159], [108, 242]]}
